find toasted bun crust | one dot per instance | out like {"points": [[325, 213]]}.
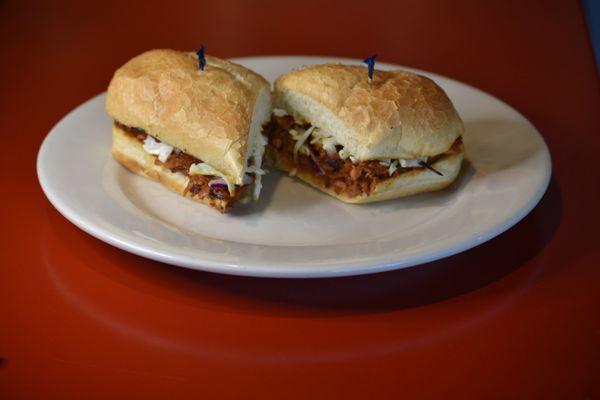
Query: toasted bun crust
{"points": [[210, 114], [398, 115], [129, 152], [406, 184]]}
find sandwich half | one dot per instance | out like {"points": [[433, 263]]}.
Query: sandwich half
{"points": [[362, 140], [198, 132]]}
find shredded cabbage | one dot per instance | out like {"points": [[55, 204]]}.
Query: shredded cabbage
{"points": [[257, 186], [160, 149], [279, 112], [393, 167], [326, 140], [343, 153], [258, 173], [255, 170], [300, 139], [412, 162], [256, 152], [205, 169], [329, 144]]}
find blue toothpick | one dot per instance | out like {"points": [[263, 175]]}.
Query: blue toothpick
{"points": [[370, 61], [201, 59]]}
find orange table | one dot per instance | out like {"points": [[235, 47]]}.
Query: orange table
{"points": [[517, 317]]}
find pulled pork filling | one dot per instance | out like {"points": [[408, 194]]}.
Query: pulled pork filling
{"points": [[331, 166], [201, 186]]}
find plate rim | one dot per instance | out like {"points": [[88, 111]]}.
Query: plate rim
{"points": [[289, 270]]}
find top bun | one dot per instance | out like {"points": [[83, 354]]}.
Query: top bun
{"points": [[212, 115], [397, 115]]}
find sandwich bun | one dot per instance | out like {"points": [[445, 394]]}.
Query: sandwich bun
{"points": [[399, 115], [212, 114], [418, 180], [129, 152]]}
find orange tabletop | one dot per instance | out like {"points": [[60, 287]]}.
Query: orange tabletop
{"points": [[517, 317]]}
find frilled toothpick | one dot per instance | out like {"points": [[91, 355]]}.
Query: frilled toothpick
{"points": [[370, 61], [429, 167], [201, 58]]}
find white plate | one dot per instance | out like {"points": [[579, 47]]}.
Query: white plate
{"points": [[296, 231]]}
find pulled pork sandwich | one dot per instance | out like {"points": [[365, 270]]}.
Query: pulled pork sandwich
{"points": [[196, 131], [362, 140]]}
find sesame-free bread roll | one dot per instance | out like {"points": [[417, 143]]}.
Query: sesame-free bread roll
{"points": [[213, 115], [398, 118]]}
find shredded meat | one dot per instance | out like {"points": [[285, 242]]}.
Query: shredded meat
{"points": [[178, 162], [198, 184], [343, 176]]}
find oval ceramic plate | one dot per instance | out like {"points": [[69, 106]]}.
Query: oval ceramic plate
{"points": [[294, 230]]}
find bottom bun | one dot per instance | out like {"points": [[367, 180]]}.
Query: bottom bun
{"points": [[129, 152], [416, 181]]}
